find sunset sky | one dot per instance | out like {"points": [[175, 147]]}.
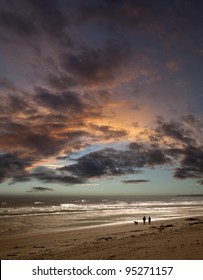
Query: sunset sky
{"points": [[101, 97]]}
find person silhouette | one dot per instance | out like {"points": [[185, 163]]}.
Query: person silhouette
{"points": [[144, 219], [149, 219]]}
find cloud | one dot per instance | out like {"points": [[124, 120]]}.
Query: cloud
{"points": [[111, 162], [40, 189], [108, 162], [174, 130], [191, 165], [137, 146], [194, 123], [18, 24], [35, 17], [131, 14], [157, 157], [95, 66], [45, 145], [60, 101], [6, 84], [48, 175], [183, 173], [13, 167], [43, 174], [60, 81], [17, 103], [66, 56], [50, 16], [35, 142], [135, 181], [107, 132], [30, 147], [47, 123]]}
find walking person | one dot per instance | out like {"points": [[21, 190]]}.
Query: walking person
{"points": [[149, 219], [144, 220]]}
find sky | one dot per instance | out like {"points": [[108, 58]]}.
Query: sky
{"points": [[101, 97]]}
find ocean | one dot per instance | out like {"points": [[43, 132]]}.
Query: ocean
{"points": [[63, 213]]}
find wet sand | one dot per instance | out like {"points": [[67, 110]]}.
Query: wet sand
{"points": [[178, 239]]}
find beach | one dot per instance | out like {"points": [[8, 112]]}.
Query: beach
{"points": [[175, 239]]}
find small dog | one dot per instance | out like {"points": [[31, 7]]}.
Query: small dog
{"points": [[136, 223]]}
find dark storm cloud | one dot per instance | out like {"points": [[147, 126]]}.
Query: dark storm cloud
{"points": [[45, 137], [111, 162], [135, 181], [174, 153], [157, 157], [17, 103], [61, 101], [12, 167], [152, 154], [137, 146], [24, 141], [193, 122], [11, 104], [108, 162], [72, 136], [11, 128], [175, 130], [67, 180], [42, 144], [184, 173], [47, 123], [20, 102], [108, 132], [94, 66], [40, 189], [60, 81], [48, 175], [191, 165], [186, 149]]}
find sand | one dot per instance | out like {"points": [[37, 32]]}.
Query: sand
{"points": [[178, 239]]}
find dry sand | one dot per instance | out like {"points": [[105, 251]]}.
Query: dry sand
{"points": [[162, 240]]}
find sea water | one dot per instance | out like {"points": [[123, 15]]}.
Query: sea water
{"points": [[74, 212]]}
